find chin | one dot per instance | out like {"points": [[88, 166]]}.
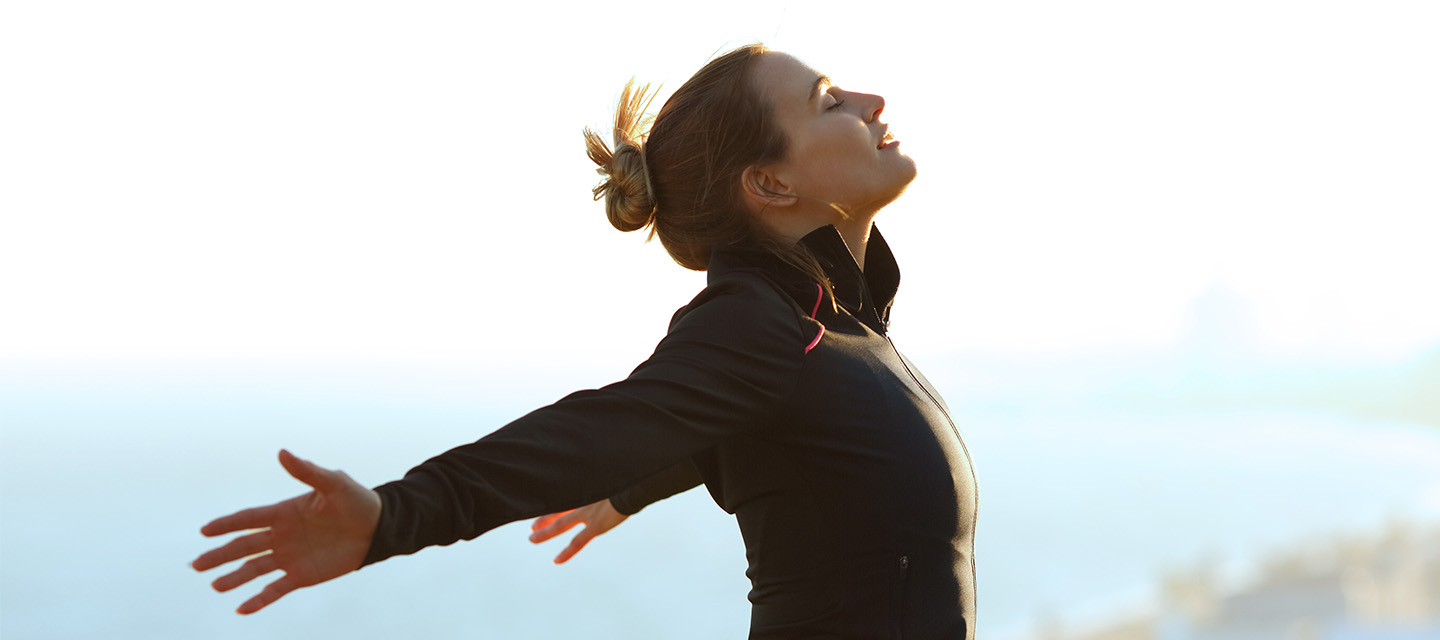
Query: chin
{"points": [[904, 177], [910, 163]]}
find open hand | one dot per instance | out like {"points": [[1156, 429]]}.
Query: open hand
{"points": [[318, 536], [598, 517]]}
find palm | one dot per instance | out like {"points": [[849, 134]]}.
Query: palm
{"points": [[301, 525], [314, 537]]}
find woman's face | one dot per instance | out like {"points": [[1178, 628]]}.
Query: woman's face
{"points": [[838, 150]]}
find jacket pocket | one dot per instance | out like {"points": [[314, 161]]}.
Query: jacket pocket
{"points": [[898, 583]]}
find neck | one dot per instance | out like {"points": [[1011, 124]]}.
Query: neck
{"points": [[854, 228], [856, 234]]}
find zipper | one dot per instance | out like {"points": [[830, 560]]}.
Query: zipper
{"points": [[969, 462]]}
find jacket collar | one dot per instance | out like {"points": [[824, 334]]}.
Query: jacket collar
{"points": [[867, 294]]}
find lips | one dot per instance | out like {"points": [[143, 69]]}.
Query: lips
{"points": [[885, 138]]}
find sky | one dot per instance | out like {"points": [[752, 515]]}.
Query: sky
{"points": [[343, 180]]}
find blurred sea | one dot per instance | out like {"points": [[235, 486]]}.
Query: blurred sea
{"points": [[105, 481]]}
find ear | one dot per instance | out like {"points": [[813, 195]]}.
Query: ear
{"points": [[764, 188]]}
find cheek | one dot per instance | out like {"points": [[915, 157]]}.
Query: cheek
{"points": [[841, 149], [835, 160]]}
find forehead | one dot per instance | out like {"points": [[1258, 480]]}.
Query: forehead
{"points": [[784, 79]]}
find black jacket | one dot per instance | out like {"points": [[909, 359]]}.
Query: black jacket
{"points": [[852, 488]]}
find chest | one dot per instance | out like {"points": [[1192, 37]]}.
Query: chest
{"points": [[860, 399]]}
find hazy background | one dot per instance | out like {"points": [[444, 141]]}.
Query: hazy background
{"points": [[1173, 265]]}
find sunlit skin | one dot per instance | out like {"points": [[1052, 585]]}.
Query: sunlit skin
{"points": [[314, 537], [598, 517], [838, 155]]}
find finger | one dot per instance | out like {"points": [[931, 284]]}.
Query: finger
{"points": [[576, 544], [318, 477], [272, 592], [233, 550], [560, 525], [253, 518], [252, 569], [545, 520]]}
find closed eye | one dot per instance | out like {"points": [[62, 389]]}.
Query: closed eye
{"points": [[835, 106]]}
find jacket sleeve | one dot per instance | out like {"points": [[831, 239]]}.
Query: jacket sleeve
{"points": [[727, 362], [679, 478]]}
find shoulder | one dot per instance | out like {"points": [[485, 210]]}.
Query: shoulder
{"points": [[744, 310], [740, 324], [744, 297]]}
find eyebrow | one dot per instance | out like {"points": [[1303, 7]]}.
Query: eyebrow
{"points": [[815, 88]]}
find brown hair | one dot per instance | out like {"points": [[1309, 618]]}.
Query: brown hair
{"points": [[682, 177]]}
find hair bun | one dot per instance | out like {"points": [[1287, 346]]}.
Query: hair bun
{"points": [[629, 197], [628, 201]]}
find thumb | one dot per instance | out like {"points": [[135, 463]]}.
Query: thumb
{"points": [[319, 478]]}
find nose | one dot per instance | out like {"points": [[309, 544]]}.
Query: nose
{"points": [[871, 104], [868, 104]]}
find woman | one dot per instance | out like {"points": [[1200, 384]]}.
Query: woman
{"points": [[776, 386]]}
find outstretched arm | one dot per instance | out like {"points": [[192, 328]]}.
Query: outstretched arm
{"points": [[725, 368], [314, 537]]}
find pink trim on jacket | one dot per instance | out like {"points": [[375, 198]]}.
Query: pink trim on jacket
{"points": [[819, 295]]}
